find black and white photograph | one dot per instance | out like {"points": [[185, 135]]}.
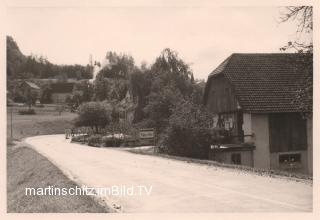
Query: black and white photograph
{"points": [[159, 108]]}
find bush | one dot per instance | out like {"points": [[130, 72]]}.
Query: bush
{"points": [[187, 134], [187, 142], [27, 112], [92, 114], [79, 138], [94, 140], [111, 141]]}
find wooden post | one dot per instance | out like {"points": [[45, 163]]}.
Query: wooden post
{"points": [[154, 140], [11, 113]]}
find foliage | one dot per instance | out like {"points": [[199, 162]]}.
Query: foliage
{"points": [[27, 112], [160, 107], [140, 84], [83, 92], [45, 96], [187, 133], [92, 114], [94, 140], [30, 97], [111, 141], [119, 65], [20, 66], [303, 15], [112, 81], [171, 81]]}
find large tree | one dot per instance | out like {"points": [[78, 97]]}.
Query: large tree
{"points": [[112, 81], [171, 81], [94, 115], [303, 16], [302, 43]]}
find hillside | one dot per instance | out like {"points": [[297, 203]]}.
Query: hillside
{"points": [[20, 66]]}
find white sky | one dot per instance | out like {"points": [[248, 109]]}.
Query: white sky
{"points": [[203, 36]]}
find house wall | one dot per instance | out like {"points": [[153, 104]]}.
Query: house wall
{"points": [[221, 97], [247, 127], [260, 129], [310, 145], [298, 167], [222, 102], [59, 97]]}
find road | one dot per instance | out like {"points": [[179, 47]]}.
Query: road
{"points": [[176, 186]]}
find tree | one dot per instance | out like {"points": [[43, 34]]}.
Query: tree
{"points": [[45, 96], [140, 85], [303, 15], [188, 132], [31, 98], [171, 81], [39, 67], [93, 114], [112, 80]]}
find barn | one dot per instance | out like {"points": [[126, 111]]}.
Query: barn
{"points": [[262, 101], [28, 88]]}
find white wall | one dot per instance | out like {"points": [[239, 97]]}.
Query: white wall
{"points": [[247, 127], [260, 128]]}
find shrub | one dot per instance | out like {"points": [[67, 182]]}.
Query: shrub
{"points": [[93, 114], [109, 141], [79, 138], [27, 112], [187, 142], [94, 140], [187, 134]]}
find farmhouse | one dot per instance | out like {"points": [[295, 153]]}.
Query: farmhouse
{"points": [[28, 88], [60, 91], [255, 98]]}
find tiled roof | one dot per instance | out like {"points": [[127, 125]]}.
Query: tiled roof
{"points": [[32, 85], [266, 83]]}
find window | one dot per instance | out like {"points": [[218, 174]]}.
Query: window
{"points": [[289, 158], [236, 158]]}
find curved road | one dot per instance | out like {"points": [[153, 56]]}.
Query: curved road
{"points": [[175, 186]]}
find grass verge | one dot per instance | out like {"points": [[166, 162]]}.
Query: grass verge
{"points": [[27, 168]]}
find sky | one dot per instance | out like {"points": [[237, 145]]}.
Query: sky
{"points": [[202, 36]]}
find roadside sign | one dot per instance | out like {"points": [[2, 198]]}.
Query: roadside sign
{"points": [[146, 133]]}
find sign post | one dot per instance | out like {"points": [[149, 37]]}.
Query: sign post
{"points": [[148, 134]]}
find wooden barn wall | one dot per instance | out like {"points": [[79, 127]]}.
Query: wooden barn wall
{"points": [[287, 132], [221, 97]]}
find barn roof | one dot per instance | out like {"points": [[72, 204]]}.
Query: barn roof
{"points": [[32, 85], [62, 87], [266, 83]]}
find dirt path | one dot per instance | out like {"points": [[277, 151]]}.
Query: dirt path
{"points": [[176, 186]]}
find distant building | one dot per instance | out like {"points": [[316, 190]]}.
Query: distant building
{"points": [[26, 88], [60, 92], [127, 107], [253, 96]]}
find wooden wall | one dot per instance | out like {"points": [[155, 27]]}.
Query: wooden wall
{"points": [[221, 96]]}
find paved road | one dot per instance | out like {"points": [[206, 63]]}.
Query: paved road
{"points": [[176, 186]]}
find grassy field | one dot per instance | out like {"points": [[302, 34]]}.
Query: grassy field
{"points": [[27, 168], [46, 121]]}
